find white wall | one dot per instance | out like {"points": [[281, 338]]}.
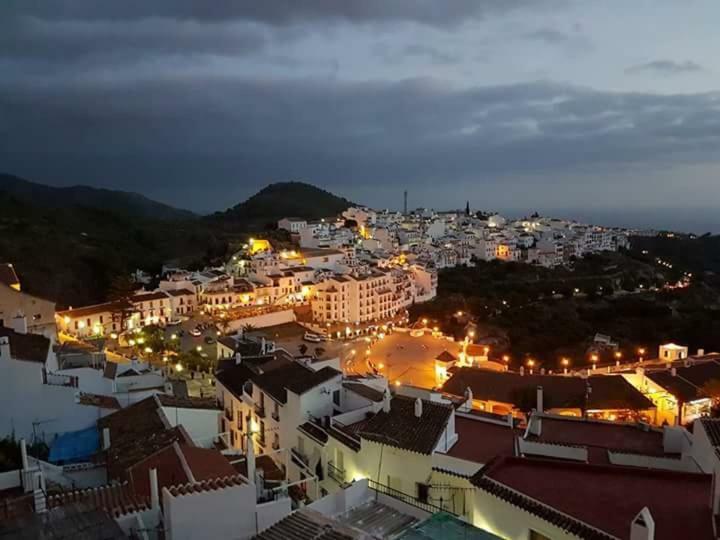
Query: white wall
{"points": [[686, 464], [201, 424], [269, 513], [507, 521], [266, 319], [10, 479], [24, 399], [222, 513]]}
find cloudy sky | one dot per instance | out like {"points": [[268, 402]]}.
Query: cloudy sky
{"points": [[576, 106]]}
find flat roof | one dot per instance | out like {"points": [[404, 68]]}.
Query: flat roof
{"points": [[480, 441]]}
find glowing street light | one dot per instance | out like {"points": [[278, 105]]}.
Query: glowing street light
{"points": [[531, 364], [618, 357], [425, 321], [565, 363], [178, 367]]}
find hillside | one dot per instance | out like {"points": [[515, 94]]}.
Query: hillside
{"points": [[72, 254], [279, 200], [122, 203]]}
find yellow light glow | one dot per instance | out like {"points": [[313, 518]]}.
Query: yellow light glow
{"points": [[66, 319], [131, 342], [198, 348], [173, 336], [178, 367], [113, 336], [397, 383], [148, 349], [81, 325]]}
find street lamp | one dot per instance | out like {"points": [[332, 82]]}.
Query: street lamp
{"points": [[565, 363], [531, 364], [618, 357]]}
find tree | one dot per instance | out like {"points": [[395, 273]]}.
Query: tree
{"points": [[303, 349], [248, 328], [121, 288]]}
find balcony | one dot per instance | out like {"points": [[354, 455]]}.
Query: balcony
{"points": [[259, 410], [406, 498], [276, 415], [336, 474]]}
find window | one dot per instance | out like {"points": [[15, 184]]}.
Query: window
{"points": [[336, 397]]}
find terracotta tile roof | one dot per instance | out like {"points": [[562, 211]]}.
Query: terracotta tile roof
{"points": [[687, 382], [146, 297], [180, 292], [627, 438], [348, 438], [446, 356], [305, 524], [136, 432], [116, 499], [608, 391], [29, 347], [599, 502], [207, 485], [107, 307], [481, 441], [179, 464], [364, 390], [402, 429], [167, 400], [97, 400], [8, 276]]}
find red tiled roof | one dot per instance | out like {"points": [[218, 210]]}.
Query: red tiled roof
{"points": [[629, 438], [180, 292], [30, 347], [446, 356], [97, 400], [580, 497], [177, 465], [146, 297], [116, 499], [107, 307], [480, 441], [167, 400], [207, 485], [402, 429]]}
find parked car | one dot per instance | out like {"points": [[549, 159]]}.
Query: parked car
{"points": [[312, 338], [196, 332]]}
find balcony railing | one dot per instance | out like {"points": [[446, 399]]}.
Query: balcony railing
{"points": [[404, 497], [276, 415], [299, 455], [335, 473]]}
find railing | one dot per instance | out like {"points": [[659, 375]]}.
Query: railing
{"points": [[335, 473], [404, 497], [55, 379], [276, 415], [299, 455]]}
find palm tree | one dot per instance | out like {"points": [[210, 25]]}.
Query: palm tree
{"points": [[248, 328]]}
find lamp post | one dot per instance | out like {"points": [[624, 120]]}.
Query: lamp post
{"points": [[565, 363], [531, 364]]}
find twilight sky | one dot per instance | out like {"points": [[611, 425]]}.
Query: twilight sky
{"points": [[582, 107]]}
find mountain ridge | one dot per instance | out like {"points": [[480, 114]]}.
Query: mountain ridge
{"points": [[127, 203]]}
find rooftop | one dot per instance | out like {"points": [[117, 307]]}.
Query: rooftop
{"points": [[107, 307], [402, 429], [30, 347], [603, 436], [304, 524], [688, 380], [8, 276], [597, 501], [167, 400], [608, 391], [481, 441], [364, 390], [295, 377]]}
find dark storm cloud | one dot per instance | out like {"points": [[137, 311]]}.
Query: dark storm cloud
{"points": [[416, 130], [665, 67], [278, 12]]}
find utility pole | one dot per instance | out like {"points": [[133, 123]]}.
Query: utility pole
{"points": [[405, 203]]}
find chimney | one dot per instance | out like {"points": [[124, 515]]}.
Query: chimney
{"points": [[539, 400], [23, 455], [106, 438], [418, 408], [642, 526], [154, 492], [522, 371], [238, 359], [250, 458], [19, 324], [4, 348], [673, 371], [701, 352], [386, 401]]}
